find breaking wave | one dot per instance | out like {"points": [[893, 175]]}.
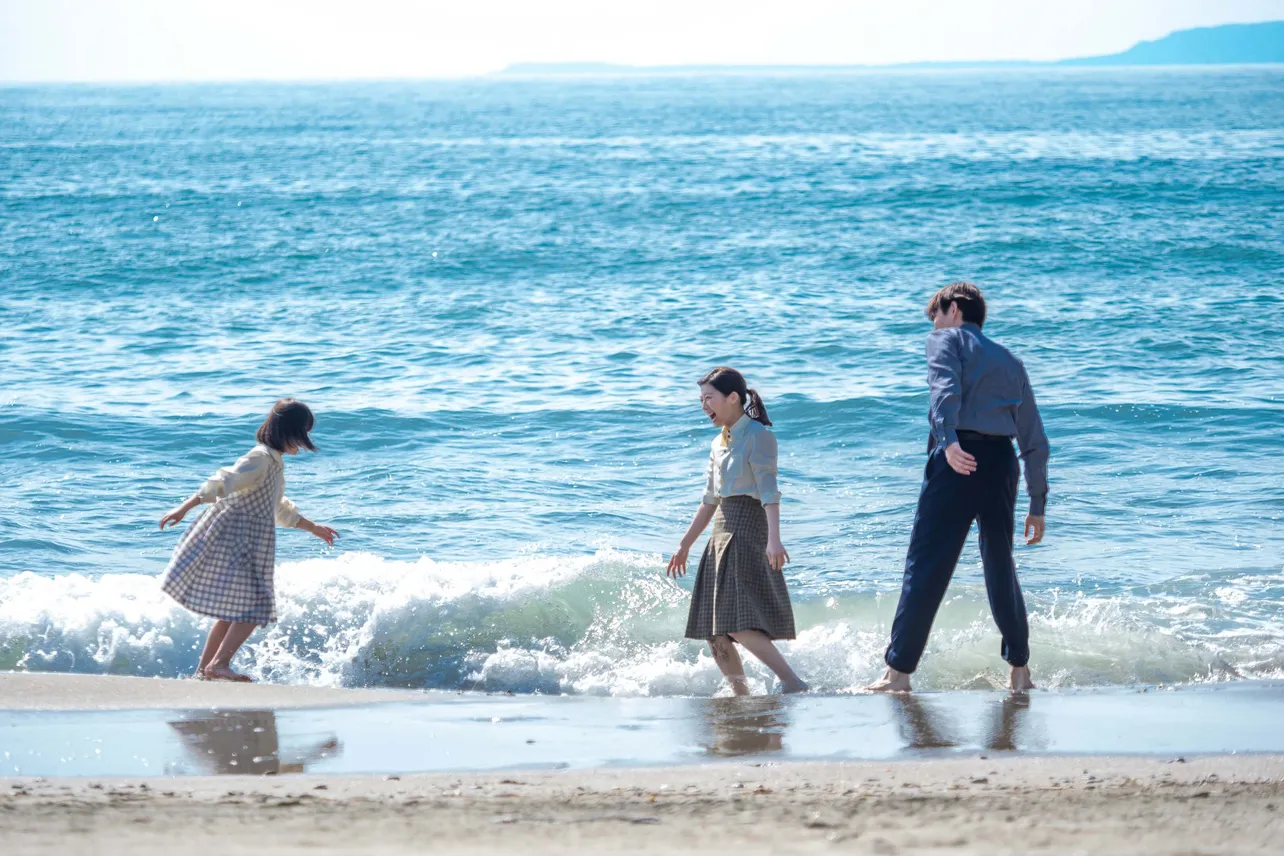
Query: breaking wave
{"points": [[607, 624]]}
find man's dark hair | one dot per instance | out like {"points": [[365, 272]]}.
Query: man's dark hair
{"points": [[966, 295], [287, 425]]}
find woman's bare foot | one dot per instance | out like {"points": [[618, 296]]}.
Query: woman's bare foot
{"points": [[225, 673], [892, 681], [1020, 681]]}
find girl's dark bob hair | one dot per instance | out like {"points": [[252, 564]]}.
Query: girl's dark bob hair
{"points": [[287, 425]]}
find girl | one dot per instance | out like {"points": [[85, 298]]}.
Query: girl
{"points": [[222, 566], [740, 593]]}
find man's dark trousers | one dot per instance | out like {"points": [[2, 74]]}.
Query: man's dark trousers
{"points": [[947, 505]]}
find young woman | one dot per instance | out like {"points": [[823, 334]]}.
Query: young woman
{"points": [[740, 594], [223, 565]]}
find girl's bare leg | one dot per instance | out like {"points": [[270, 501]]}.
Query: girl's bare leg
{"points": [[212, 643], [728, 660], [757, 643], [220, 668]]}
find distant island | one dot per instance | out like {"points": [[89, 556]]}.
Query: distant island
{"points": [[1229, 44]]}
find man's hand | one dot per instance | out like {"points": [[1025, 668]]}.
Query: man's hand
{"points": [[1034, 527], [960, 461]]}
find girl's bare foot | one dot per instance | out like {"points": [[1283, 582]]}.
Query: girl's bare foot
{"points": [[1020, 681], [892, 681], [225, 673]]}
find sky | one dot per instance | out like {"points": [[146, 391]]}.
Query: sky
{"points": [[185, 40]]}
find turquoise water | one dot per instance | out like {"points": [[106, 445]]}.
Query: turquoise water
{"points": [[497, 296]]}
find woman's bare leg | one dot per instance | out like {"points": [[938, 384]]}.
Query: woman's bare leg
{"points": [[220, 667], [728, 660], [212, 643], [757, 643]]}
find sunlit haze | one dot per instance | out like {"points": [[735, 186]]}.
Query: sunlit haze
{"points": [[160, 40]]}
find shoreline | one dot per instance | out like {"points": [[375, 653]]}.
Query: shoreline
{"points": [[74, 691], [62, 691], [95, 726], [341, 771], [1210, 805]]}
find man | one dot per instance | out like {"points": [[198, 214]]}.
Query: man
{"points": [[981, 399]]}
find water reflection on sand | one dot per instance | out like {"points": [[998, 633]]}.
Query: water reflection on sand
{"points": [[246, 742], [481, 732], [743, 726], [924, 725], [732, 727]]}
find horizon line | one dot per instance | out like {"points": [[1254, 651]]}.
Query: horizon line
{"points": [[513, 72], [603, 68]]}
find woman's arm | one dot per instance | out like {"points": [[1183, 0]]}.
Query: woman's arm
{"points": [[678, 562], [763, 464], [777, 556], [763, 457]]}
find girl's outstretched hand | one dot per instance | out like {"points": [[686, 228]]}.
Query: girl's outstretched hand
{"points": [[678, 563], [175, 516], [325, 533], [777, 555]]}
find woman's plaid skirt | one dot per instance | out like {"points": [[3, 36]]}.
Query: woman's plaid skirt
{"points": [[735, 588]]}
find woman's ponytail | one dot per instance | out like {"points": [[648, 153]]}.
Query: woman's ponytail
{"points": [[755, 408]]}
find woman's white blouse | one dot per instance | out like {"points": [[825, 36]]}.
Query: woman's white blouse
{"points": [[251, 469], [744, 466]]}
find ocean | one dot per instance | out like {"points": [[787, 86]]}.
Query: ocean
{"points": [[498, 295]]}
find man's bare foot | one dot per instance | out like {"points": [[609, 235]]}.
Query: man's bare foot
{"points": [[739, 685], [225, 673], [892, 681], [1020, 681], [800, 687]]}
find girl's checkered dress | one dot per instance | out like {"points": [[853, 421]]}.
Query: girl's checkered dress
{"points": [[223, 565], [735, 588]]}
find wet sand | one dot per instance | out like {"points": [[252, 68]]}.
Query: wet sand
{"points": [[341, 771], [144, 727], [960, 806]]}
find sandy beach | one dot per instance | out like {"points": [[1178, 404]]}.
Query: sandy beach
{"points": [[933, 797], [974, 805]]}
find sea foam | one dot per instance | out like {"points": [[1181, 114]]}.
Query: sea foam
{"points": [[606, 624]]}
